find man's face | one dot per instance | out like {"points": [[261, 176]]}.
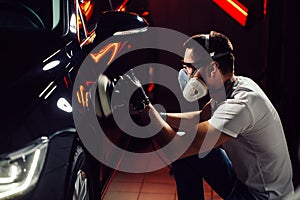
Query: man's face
{"points": [[194, 61], [189, 69], [195, 88], [203, 68]]}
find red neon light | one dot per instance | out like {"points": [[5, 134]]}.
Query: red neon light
{"points": [[265, 6], [235, 9], [122, 7], [145, 14], [151, 87]]}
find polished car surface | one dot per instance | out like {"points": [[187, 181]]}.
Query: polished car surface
{"points": [[43, 44]]}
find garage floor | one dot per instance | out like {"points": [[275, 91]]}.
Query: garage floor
{"points": [[158, 185]]}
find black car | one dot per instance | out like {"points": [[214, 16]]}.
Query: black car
{"points": [[43, 44]]}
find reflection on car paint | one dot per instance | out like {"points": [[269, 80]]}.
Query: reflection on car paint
{"points": [[82, 96], [115, 48]]}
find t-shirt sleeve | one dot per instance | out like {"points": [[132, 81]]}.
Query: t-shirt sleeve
{"points": [[231, 118]]}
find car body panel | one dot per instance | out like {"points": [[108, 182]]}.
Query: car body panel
{"points": [[39, 64]]}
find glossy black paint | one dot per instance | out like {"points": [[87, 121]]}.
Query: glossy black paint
{"points": [[29, 94]]}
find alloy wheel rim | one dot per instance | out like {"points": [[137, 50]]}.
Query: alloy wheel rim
{"points": [[81, 187]]}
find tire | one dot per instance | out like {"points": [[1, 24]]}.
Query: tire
{"points": [[84, 177]]}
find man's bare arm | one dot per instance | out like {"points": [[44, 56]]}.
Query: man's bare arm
{"points": [[188, 119], [206, 136]]}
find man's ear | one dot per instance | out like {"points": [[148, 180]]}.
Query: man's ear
{"points": [[213, 68]]}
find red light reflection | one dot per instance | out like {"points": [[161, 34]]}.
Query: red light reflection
{"points": [[114, 48], [87, 9], [82, 96]]}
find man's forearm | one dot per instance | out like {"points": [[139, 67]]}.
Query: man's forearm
{"points": [[187, 119], [183, 120], [167, 134]]}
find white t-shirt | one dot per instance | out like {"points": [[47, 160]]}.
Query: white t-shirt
{"points": [[258, 149]]}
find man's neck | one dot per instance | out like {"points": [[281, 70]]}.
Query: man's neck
{"points": [[221, 94]]}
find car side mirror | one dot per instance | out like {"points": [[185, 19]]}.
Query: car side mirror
{"points": [[111, 22]]}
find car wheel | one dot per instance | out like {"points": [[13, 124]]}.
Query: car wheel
{"points": [[83, 182]]}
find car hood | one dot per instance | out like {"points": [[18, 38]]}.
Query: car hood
{"points": [[21, 58], [22, 81]]}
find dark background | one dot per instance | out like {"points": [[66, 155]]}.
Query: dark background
{"points": [[266, 49]]}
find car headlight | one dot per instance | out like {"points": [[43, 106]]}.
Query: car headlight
{"points": [[20, 170]]}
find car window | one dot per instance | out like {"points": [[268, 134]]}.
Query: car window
{"points": [[29, 14]]}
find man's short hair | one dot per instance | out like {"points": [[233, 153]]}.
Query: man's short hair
{"points": [[217, 45]]}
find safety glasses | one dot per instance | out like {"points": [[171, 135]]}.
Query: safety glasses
{"points": [[190, 67]]}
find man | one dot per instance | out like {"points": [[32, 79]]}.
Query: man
{"points": [[239, 119]]}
